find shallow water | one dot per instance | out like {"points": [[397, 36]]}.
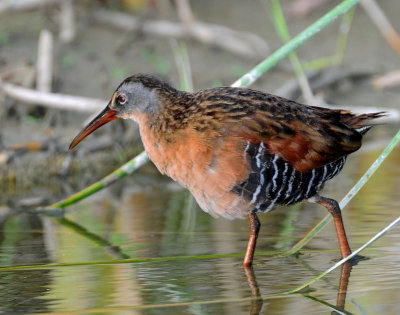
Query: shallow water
{"points": [[98, 259]]}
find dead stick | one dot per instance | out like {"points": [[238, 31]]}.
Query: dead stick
{"points": [[241, 43], [54, 100], [390, 79], [45, 62], [67, 21], [382, 23], [185, 13], [20, 5]]}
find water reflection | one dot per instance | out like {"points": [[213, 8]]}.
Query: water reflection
{"points": [[343, 284], [167, 286], [256, 302], [111, 249], [22, 243]]}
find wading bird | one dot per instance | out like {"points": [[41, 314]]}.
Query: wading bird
{"points": [[239, 151]]}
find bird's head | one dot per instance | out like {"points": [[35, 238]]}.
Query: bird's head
{"points": [[136, 96]]}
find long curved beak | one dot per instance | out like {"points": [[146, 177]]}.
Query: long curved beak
{"points": [[101, 119]]}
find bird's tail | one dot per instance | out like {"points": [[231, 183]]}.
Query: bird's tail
{"points": [[360, 122]]}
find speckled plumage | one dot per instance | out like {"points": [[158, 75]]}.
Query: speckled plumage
{"points": [[192, 135], [239, 151]]}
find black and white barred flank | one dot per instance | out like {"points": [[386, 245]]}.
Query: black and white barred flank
{"points": [[273, 181]]}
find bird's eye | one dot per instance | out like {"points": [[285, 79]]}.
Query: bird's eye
{"points": [[121, 99]]}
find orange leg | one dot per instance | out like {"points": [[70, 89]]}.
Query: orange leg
{"points": [[254, 227], [334, 210]]}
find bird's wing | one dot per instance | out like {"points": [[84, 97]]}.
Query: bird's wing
{"points": [[304, 136], [307, 137]]}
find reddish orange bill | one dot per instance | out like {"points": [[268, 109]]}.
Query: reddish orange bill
{"points": [[101, 119]]}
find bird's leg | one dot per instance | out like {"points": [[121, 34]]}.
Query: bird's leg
{"points": [[334, 210], [254, 227]]}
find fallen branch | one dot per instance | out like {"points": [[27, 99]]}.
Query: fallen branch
{"points": [[241, 43], [67, 21], [44, 70], [21, 5], [185, 13], [382, 23], [301, 8], [388, 80], [53, 100]]}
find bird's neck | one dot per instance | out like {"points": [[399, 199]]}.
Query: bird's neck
{"points": [[175, 110]]}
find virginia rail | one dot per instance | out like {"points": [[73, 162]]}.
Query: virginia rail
{"points": [[239, 151]]}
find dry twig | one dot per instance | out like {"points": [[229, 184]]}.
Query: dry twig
{"points": [[301, 8], [390, 79], [241, 43], [7, 6], [44, 71], [54, 100], [185, 13], [382, 23], [67, 21]]}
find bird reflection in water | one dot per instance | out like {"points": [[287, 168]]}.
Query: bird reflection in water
{"points": [[257, 299]]}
